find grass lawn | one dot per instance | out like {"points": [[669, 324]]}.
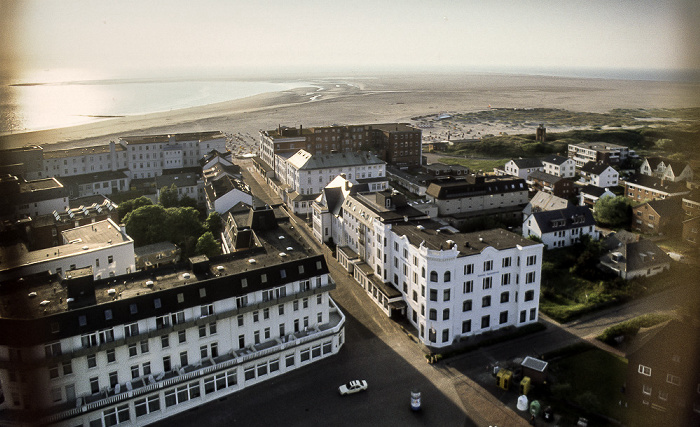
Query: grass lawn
{"points": [[485, 165], [591, 379]]}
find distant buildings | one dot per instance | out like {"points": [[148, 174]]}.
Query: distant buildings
{"points": [[658, 217], [641, 188], [599, 175], [522, 168], [598, 152], [560, 187], [559, 166], [666, 169], [24, 199], [629, 257]]}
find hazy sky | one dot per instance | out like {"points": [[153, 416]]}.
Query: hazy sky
{"points": [[349, 35]]}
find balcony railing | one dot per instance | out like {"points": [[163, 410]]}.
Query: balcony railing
{"points": [[205, 367]]}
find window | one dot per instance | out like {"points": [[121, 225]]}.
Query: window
{"points": [[503, 318], [113, 379], [523, 316], [183, 359], [207, 310], [289, 360], [486, 301], [532, 260], [530, 277], [146, 368], [446, 295], [466, 326], [433, 295], [445, 335], [485, 322], [506, 262], [467, 305], [131, 330], [488, 265], [240, 320], [144, 346], [446, 314], [134, 372], [529, 295], [487, 282], [255, 316], [468, 286], [533, 313], [433, 276], [165, 341], [505, 297], [280, 309], [663, 395], [505, 279], [432, 314], [147, 405], [672, 379], [646, 389], [67, 368], [52, 350], [295, 305], [469, 269], [91, 361], [181, 336], [133, 351], [447, 276]]}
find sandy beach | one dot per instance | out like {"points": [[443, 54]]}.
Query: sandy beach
{"points": [[350, 100]]}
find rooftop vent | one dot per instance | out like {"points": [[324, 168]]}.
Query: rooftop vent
{"points": [[85, 248], [289, 248], [219, 267], [481, 239], [420, 227], [281, 237], [252, 261], [282, 254], [32, 294], [111, 291], [44, 303], [450, 243], [149, 283], [186, 276]]}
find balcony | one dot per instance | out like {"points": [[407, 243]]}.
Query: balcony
{"points": [[151, 383]]}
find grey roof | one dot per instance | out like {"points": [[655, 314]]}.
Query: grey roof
{"points": [[667, 208], [528, 163], [657, 184], [307, 161], [180, 180], [475, 186], [557, 160], [547, 202], [435, 236], [564, 219], [639, 255], [594, 168], [546, 177], [443, 167], [593, 190]]}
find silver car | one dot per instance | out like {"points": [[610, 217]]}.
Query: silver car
{"points": [[352, 387]]}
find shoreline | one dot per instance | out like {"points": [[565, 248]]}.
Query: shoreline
{"points": [[375, 100]]}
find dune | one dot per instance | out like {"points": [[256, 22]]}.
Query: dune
{"points": [[354, 100]]}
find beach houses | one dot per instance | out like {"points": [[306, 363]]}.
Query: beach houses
{"points": [[597, 152], [666, 169], [522, 168], [561, 228], [599, 174], [562, 167]]}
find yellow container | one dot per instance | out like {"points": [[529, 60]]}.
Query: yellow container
{"points": [[525, 386]]}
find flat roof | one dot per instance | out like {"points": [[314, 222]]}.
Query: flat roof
{"points": [[435, 235], [178, 137]]}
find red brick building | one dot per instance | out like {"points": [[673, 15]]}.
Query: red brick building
{"points": [[658, 217]]}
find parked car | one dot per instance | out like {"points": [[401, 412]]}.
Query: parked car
{"points": [[352, 387]]}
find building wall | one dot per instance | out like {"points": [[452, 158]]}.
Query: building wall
{"points": [[194, 333], [559, 238], [565, 170], [478, 203], [42, 207]]}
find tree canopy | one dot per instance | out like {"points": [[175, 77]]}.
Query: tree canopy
{"points": [[207, 245], [129, 205], [154, 223], [613, 211], [213, 224], [169, 197]]}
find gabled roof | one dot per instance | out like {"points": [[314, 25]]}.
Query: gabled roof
{"points": [[667, 208], [556, 160], [546, 177], [563, 219], [527, 163], [593, 190], [654, 161], [595, 168], [632, 256], [657, 184], [547, 202]]}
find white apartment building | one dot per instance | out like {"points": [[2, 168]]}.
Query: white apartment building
{"points": [[85, 160], [562, 167], [154, 344], [561, 228], [303, 175], [522, 168], [103, 246], [449, 285], [600, 175], [33, 198], [601, 152], [187, 184]]}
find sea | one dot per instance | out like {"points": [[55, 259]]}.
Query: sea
{"points": [[56, 99], [48, 99]]}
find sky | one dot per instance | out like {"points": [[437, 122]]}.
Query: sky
{"points": [[267, 36]]}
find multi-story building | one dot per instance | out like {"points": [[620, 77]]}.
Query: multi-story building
{"points": [[658, 217], [187, 184], [600, 175], [27, 162], [562, 167], [561, 228], [85, 160], [663, 375], [598, 152], [629, 256], [226, 191], [96, 184], [395, 143], [558, 186], [81, 351], [31, 198], [464, 200], [641, 188], [147, 156], [304, 175], [522, 168], [102, 246], [666, 169]]}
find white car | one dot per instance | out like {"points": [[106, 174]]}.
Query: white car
{"points": [[352, 387]]}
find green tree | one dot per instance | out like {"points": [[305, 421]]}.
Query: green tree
{"points": [[182, 223], [207, 245], [169, 197], [213, 224], [187, 201], [147, 225], [129, 205], [613, 211]]}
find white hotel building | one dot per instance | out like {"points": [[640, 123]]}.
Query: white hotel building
{"points": [[83, 352], [449, 285]]}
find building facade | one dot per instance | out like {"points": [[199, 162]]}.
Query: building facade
{"points": [[561, 228], [562, 167], [598, 152]]}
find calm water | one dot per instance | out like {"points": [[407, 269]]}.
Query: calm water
{"points": [[45, 104]]}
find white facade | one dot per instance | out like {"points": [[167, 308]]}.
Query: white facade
{"points": [[566, 168], [79, 161], [513, 169], [560, 230], [608, 178], [102, 246]]}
